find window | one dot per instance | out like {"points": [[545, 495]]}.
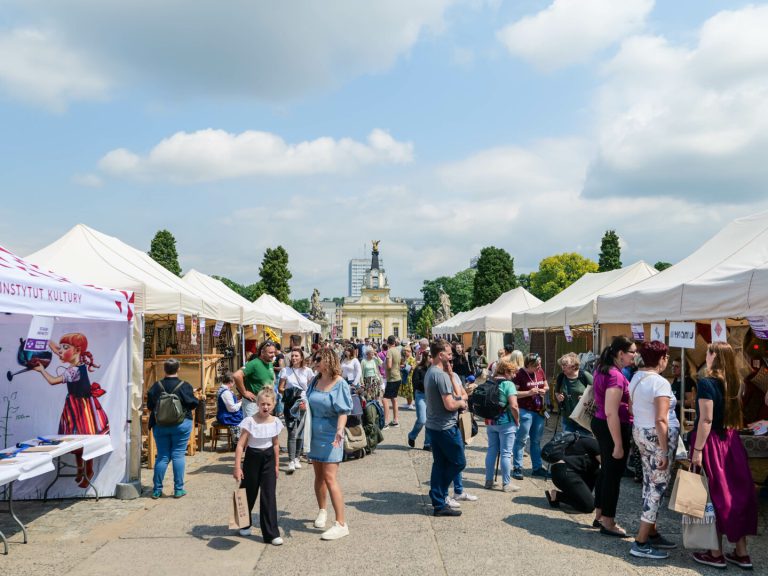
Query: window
{"points": [[354, 331], [396, 331]]}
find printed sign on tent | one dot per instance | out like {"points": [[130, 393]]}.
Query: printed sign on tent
{"points": [[526, 335], [179, 322], [568, 334], [217, 328], [202, 325], [638, 332], [759, 325], [255, 330], [39, 334], [719, 332], [682, 334], [193, 331], [659, 332]]}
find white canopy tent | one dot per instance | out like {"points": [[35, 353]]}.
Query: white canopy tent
{"points": [[82, 316], [727, 277], [495, 317], [448, 326], [291, 321], [576, 305]]}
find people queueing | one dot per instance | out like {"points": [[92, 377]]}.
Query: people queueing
{"points": [[532, 387], [259, 471], [502, 429], [293, 383]]}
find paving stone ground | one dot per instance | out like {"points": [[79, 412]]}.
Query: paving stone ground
{"points": [[388, 511]]}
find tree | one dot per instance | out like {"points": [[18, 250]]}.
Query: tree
{"points": [[495, 275], [250, 292], [558, 272], [610, 252], [425, 323], [458, 287], [524, 281], [275, 274], [301, 305], [662, 265], [163, 251]]}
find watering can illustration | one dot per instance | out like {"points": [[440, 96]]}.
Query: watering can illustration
{"points": [[29, 359]]}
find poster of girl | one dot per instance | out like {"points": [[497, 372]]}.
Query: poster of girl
{"points": [[82, 413]]}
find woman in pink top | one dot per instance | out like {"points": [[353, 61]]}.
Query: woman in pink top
{"points": [[612, 427]]}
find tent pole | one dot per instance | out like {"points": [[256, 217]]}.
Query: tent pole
{"points": [[242, 345], [682, 385], [129, 407], [202, 391]]}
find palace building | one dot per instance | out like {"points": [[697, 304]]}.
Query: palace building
{"points": [[374, 314]]}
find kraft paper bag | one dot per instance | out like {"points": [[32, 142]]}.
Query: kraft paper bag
{"points": [[690, 494], [465, 426], [239, 517], [701, 533]]}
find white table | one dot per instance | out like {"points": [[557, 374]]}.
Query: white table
{"points": [[9, 473]]}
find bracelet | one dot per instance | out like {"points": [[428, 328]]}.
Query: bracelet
{"points": [[697, 449]]}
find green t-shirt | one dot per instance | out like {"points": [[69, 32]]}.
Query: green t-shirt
{"points": [[393, 374], [572, 390], [506, 389], [257, 375]]}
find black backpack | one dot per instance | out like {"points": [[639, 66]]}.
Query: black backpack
{"points": [[169, 410], [554, 450], [485, 400]]}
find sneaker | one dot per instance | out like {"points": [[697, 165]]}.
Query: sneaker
{"points": [[386, 427], [179, 493], [464, 496], [540, 473], [743, 562], [297, 464], [394, 424], [335, 532], [647, 551], [447, 511], [658, 541], [517, 473], [411, 443], [277, 541], [510, 488], [245, 531], [291, 468], [156, 494], [451, 503], [322, 517], [708, 560], [490, 484]]}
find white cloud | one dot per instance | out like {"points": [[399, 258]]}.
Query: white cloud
{"points": [[208, 155], [37, 67], [269, 50], [687, 121], [571, 31]]}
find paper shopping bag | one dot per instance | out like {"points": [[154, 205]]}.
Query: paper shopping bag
{"points": [[465, 426], [690, 494], [585, 409], [239, 516], [701, 533]]}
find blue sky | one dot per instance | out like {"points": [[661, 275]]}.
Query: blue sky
{"points": [[437, 126]]}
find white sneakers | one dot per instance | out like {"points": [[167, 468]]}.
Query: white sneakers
{"points": [[335, 532], [451, 503], [277, 541], [245, 531], [322, 517], [511, 487], [297, 464], [464, 496], [291, 467]]}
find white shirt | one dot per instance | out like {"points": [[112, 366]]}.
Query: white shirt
{"points": [[351, 371], [229, 399], [260, 435], [644, 388], [296, 378]]}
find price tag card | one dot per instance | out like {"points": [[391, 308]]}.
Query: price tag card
{"points": [[759, 325], [659, 332], [202, 325], [568, 334], [179, 322], [217, 328], [526, 335], [719, 331], [682, 334], [638, 332], [39, 333]]}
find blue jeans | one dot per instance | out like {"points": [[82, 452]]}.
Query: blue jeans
{"points": [[501, 438], [171, 442], [571, 426], [421, 419], [447, 462], [531, 424]]}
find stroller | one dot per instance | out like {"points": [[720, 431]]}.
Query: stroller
{"points": [[355, 441]]}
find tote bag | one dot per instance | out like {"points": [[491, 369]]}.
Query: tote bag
{"points": [[585, 409]]}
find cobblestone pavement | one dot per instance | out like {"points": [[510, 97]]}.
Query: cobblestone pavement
{"points": [[388, 511]]}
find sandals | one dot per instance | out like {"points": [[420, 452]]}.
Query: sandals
{"points": [[618, 532]]}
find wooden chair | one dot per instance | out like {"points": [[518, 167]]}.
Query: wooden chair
{"points": [[221, 431]]}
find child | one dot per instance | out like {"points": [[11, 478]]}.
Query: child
{"points": [[260, 433]]}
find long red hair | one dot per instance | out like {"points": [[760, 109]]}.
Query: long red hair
{"points": [[79, 341]]}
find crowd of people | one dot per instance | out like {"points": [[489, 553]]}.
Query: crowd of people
{"points": [[635, 409]]}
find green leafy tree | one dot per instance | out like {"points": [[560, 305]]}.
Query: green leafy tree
{"points": [[301, 305], [250, 292], [414, 313], [163, 251], [662, 265], [495, 275], [458, 287], [275, 274], [524, 281], [426, 321], [558, 272], [338, 300], [610, 252]]}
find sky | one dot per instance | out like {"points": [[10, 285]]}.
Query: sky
{"points": [[436, 126]]}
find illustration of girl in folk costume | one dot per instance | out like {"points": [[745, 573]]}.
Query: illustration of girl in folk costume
{"points": [[82, 412]]}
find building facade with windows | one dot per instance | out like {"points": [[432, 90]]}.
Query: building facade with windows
{"points": [[374, 314], [358, 268]]}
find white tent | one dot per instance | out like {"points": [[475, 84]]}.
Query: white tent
{"points": [[495, 317], [724, 278], [448, 326], [250, 313], [290, 320], [82, 316], [575, 306]]}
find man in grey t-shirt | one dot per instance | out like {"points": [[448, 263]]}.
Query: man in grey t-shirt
{"points": [[447, 444]]}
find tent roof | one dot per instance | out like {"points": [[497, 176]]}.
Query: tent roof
{"points": [[724, 278], [28, 289], [251, 313], [452, 322], [85, 254], [493, 317], [292, 321], [575, 305]]}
